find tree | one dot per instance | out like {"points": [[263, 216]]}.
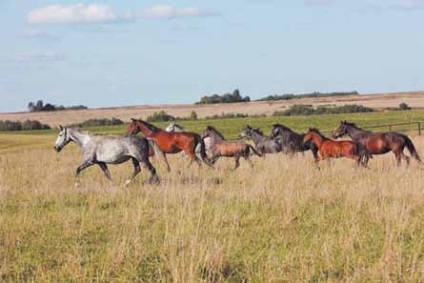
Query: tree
{"points": [[31, 106], [39, 105], [404, 106], [193, 115]]}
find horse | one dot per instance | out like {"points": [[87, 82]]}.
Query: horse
{"points": [[334, 149], [263, 144], [171, 142], [174, 127], [292, 142], [103, 150], [222, 147], [379, 143]]}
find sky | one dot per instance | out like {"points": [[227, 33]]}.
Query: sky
{"points": [[123, 53]]}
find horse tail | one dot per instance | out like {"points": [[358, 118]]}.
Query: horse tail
{"points": [[364, 154], [411, 148], [254, 150], [203, 154], [159, 153]]}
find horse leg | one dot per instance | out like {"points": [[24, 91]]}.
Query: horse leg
{"points": [[248, 161], [398, 157], [137, 170], [406, 158], [105, 170], [84, 165], [214, 159], [153, 176], [237, 162], [193, 157]]}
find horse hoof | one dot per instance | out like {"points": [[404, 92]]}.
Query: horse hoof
{"points": [[127, 183]]}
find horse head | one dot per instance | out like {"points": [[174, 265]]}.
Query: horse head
{"points": [[341, 130], [276, 128], [62, 139], [246, 132], [133, 127]]}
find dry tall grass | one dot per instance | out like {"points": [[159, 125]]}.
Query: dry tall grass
{"points": [[283, 221]]}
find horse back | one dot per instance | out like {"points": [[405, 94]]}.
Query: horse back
{"points": [[230, 148]]}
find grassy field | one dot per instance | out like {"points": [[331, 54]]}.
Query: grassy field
{"points": [[285, 220]]}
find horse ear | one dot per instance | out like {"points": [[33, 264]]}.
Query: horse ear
{"points": [[133, 119], [60, 127]]}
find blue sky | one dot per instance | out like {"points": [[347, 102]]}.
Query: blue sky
{"points": [[118, 53]]}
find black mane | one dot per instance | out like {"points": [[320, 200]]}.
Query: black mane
{"points": [[211, 128]]}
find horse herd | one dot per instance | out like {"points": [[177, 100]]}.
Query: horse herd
{"points": [[103, 150]]}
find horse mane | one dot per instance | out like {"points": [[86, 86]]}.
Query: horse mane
{"points": [[315, 130], [178, 126], [211, 128], [351, 124], [283, 127], [148, 125], [258, 131]]}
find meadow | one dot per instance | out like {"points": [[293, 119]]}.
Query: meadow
{"points": [[285, 220]]}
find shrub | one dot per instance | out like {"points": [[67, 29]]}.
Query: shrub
{"points": [[99, 122], [404, 106], [161, 116], [227, 116], [301, 109], [225, 98], [20, 126]]}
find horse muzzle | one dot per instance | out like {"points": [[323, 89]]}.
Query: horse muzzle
{"points": [[57, 148]]}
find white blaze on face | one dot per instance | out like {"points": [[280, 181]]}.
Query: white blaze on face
{"points": [[60, 141]]}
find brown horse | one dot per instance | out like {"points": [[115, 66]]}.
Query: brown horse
{"points": [[379, 143], [219, 146], [328, 148], [171, 142]]}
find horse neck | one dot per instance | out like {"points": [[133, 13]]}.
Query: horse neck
{"points": [[355, 132], [256, 136], [80, 138], [145, 130], [215, 138], [318, 139]]}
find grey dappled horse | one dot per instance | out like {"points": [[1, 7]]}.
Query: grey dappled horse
{"points": [[174, 127], [103, 150], [263, 144], [293, 142]]}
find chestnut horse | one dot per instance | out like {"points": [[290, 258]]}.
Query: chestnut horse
{"points": [[379, 143], [219, 146], [171, 142], [328, 148]]}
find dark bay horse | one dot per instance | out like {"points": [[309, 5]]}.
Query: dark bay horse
{"points": [[379, 143], [263, 144], [291, 141], [103, 150], [222, 147], [334, 149], [171, 142]]}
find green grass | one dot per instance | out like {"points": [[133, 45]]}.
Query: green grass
{"points": [[231, 127]]}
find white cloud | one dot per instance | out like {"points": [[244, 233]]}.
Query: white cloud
{"points": [[409, 4], [97, 13], [41, 57], [164, 11], [69, 14], [39, 34], [318, 2]]}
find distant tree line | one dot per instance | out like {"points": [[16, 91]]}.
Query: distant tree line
{"points": [[302, 109], [39, 106], [290, 96], [99, 122], [22, 126], [235, 96]]}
